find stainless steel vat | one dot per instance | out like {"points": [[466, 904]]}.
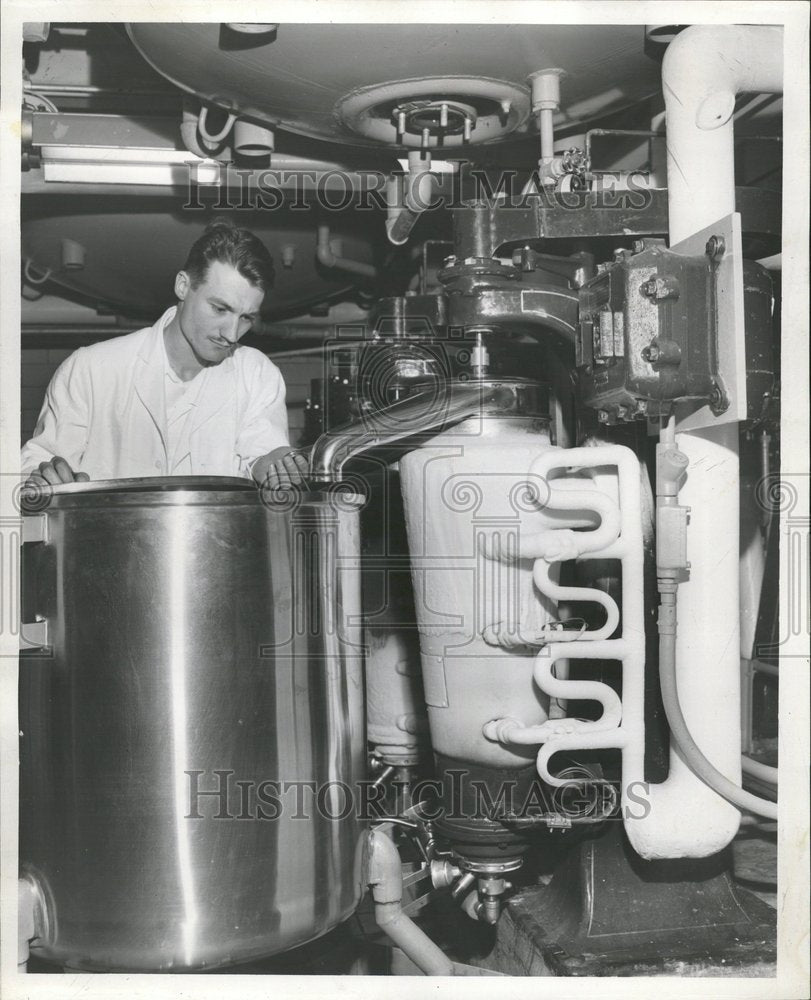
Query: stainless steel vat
{"points": [[200, 640]]}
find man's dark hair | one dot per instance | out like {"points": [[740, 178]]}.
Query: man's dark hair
{"points": [[238, 247]]}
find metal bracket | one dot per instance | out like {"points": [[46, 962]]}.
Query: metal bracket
{"points": [[35, 635], [35, 528], [730, 315]]}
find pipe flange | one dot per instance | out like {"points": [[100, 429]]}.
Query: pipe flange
{"points": [[485, 869], [478, 110], [477, 267]]}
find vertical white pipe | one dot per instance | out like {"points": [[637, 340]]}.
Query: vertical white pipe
{"points": [[705, 67]]}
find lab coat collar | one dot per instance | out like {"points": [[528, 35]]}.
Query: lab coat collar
{"points": [[219, 386]]}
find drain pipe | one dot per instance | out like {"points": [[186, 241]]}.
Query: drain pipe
{"points": [[408, 197], [386, 881], [325, 255], [704, 68]]}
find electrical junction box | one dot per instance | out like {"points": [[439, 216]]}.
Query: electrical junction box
{"points": [[647, 334]]}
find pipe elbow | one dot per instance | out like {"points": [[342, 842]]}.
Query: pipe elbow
{"points": [[385, 877], [323, 253], [666, 834], [715, 62], [326, 257]]}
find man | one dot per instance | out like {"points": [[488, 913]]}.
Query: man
{"points": [[181, 397]]}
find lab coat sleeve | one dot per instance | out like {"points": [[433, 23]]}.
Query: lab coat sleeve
{"points": [[264, 424], [64, 420]]}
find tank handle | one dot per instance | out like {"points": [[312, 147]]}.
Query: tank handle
{"points": [[34, 630]]}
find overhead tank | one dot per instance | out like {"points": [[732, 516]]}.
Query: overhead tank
{"points": [[346, 82]]}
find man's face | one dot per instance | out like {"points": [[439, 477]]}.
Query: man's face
{"points": [[215, 314]]}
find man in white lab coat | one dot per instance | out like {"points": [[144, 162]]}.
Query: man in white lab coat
{"points": [[182, 397]]}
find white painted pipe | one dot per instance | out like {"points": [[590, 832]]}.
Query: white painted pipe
{"points": [[386, 880], [327, 256], [704, 68], [681, 817]]}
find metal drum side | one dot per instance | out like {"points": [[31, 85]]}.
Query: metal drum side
{"points": [[200, 643]]}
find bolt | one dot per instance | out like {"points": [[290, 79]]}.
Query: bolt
{"points": [[401, 123], [506, 106], [602, 416], [466, 135], [639, 246], [651, 353], [660, 288], [426, 135], [443, 115], [715, 247]]}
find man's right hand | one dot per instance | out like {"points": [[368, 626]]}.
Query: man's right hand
{"points": [[56, 472]]}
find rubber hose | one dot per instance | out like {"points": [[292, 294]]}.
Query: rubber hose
{"points": [[693, 756]]}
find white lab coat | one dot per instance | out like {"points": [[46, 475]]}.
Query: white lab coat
{"points": [[104, 412]]}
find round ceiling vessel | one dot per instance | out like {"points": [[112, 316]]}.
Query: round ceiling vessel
{"points": [[343, 82], [410, 112]]}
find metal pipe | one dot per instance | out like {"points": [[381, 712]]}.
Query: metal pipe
{"points": [[386, 881], [461, 885], [86, 90], [407, 203], [253, 139], [445, 403], [386, 773], [325, 256]]}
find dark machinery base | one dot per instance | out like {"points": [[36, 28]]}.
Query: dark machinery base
{"points": [[607, 912]]}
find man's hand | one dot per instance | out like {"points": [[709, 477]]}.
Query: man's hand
{"points": [[281, 467], [56, 472]]}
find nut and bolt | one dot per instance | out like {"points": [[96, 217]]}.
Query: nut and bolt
{"points": [[659, 288], [651, 354], [716, 245]]}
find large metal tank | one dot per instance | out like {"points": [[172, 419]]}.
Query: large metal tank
{"points": [[200, 641], [347, 82]]}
